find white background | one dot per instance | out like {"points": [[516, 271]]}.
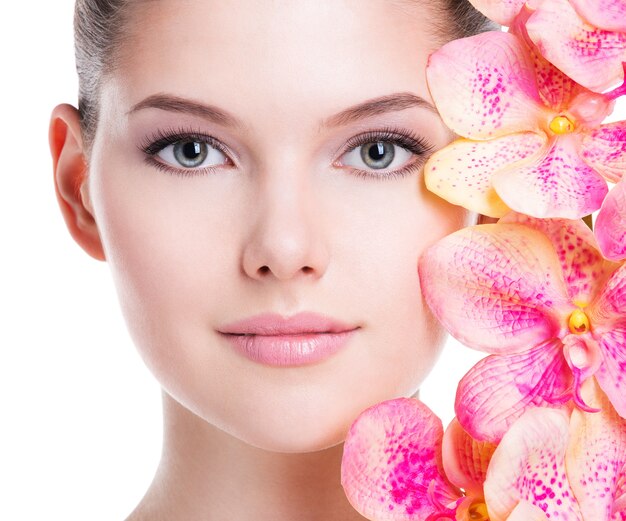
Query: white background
{"points": [[81, 416]]}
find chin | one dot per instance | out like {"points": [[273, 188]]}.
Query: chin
{"points": [[292, 434]]}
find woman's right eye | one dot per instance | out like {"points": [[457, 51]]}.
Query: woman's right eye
{"points": [[191, 154]]}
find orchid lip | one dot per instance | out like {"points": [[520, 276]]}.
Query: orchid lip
{"points": [[273, 324]]}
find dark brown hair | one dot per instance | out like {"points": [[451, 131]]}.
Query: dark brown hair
{"points": [[99, 35]]}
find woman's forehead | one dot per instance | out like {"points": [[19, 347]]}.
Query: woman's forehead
{"points": [[281, 52]]}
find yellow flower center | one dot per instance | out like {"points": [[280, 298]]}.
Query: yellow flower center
{"points": [[561, 125], [478, 512], [579, 322]]}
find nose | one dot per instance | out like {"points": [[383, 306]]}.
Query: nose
{"points": [[286, 239]]}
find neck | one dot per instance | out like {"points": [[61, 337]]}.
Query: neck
{"points": [[207, 474]]}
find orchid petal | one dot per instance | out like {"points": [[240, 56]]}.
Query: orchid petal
{"points": [[538, 377], [591, 56], [555, 88], [465, 459], [525, 511], [528, 465], [500, 11], [611, 223], [608, 309], [495, 287], [604, 150], [596, 455], [560, 184], [607, 314], [606, 14], [612, 373], [584, 269], [484, 86], [391, 458], [619, 504], [461, 172]]}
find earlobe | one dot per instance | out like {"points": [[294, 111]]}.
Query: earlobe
{"points": [[71, 180]]}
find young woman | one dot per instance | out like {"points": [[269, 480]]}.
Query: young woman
{"points": [[251, 173]]}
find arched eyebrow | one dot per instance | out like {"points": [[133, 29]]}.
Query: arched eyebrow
{"points": [[172, 103], [375, 106], [371, 107]]}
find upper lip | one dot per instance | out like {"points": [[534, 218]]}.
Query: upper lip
{"points": [[275, 324]]}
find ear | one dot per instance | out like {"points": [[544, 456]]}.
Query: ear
{"points": [[71, 181]]}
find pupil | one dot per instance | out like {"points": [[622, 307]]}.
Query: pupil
{"points": [[378, 155], [191, 150], [377, 151]]}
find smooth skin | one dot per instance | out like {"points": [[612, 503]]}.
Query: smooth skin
{"points": [[282, 224]]}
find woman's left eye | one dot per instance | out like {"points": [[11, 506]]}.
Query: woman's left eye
{"points": [[377, 155], [386, 154], [191, 153]]}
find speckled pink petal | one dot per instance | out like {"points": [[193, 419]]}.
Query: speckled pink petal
{"points": [[556, 89], [484, 86], [560, 184], [619, 506], [596, 455], [465, 460], [529, 465], [525, 511], [501, 11], [606, 14], [607, 314], [608, 309], [604, 149], [612, 373], [391, 455], [495, 287], [591, 56], [498, 389], [461, 172], [584, 269], [611, 223]]}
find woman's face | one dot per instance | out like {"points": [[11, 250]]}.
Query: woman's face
{"points": [[284, 211]]}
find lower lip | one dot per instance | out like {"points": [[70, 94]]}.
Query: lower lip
{"points": [[289, 350]]}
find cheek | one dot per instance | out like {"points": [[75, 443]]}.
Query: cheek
{"points": [[171, 256], [377, 258]]}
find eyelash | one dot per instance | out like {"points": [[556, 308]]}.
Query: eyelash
{"points": [[408, 140], [163, 138]]}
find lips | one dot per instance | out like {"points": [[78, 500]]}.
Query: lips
{"points": [[303, 339], [272, 324]]}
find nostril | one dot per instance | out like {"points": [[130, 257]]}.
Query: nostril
{"points": [[264, 269]]}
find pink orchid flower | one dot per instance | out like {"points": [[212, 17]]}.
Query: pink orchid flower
{"points": [[395, 469], [586, 39], [538, 295], [532, 139], [611, 223], [570, 468]]}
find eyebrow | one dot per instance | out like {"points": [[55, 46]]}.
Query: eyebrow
{"points": [[371, 107], [375, 106]]}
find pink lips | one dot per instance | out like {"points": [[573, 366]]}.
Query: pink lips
{"points": [[304, 338]]}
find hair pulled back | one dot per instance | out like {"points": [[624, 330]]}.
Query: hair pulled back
{"points": [[100, 34]]}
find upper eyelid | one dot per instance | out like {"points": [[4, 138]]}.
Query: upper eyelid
{"points": [[407, 140], [160, 141]]}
